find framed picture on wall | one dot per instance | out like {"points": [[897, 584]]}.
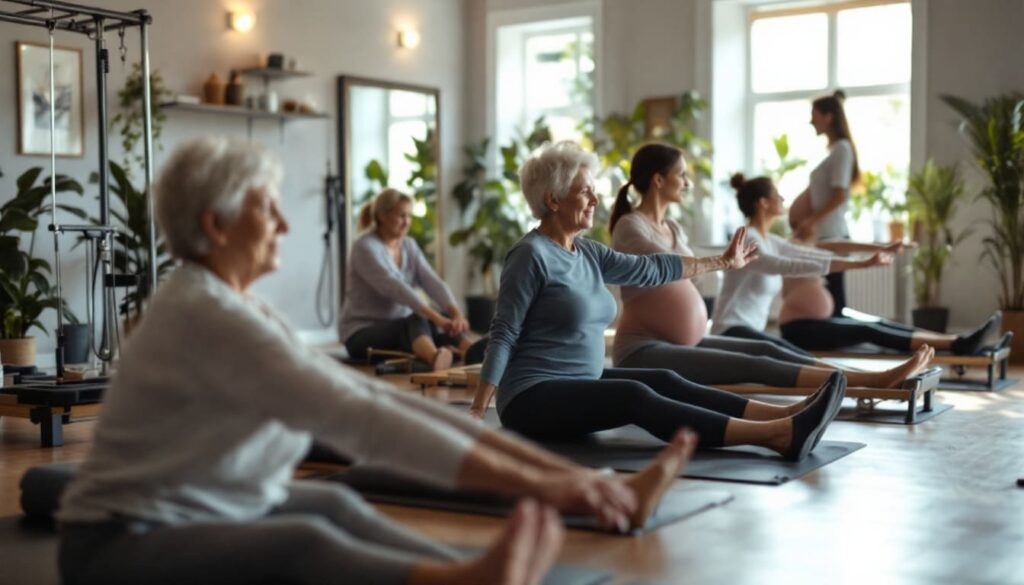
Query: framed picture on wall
{"points": [[33, 73]]}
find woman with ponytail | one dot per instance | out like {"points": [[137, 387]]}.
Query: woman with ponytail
{"points": [[382, 309], [805, 319], [664, 327], [820, 211]]}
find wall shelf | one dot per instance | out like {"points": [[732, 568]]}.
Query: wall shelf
{"points": [[241, 112], [267, 73]]}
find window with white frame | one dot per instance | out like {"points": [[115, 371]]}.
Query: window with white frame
{"points": [[796, 55], [544, 69]]}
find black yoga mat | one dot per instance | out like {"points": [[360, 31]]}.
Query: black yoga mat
{"points": [[28, 554], [386, 488], [631, 449]]}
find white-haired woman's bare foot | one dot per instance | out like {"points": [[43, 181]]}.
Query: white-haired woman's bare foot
{"points": [[522, 555], [894, 377], [650, 484]]}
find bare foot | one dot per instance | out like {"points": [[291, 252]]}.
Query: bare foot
{"points": [[442, 359], [523, 554], [651, 483], [896, 376]]}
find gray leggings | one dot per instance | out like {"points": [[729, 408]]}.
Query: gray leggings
{"points": [[323, 533], [723, 360]]}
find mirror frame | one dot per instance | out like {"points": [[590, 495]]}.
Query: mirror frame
{"points": [[345, 172]]}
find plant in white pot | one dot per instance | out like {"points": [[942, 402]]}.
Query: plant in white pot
{"points": [[932, 198], [995, 133], [25, 290]]}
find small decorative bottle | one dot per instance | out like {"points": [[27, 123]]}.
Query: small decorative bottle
{"points": [[213, 90], [235, 95]]}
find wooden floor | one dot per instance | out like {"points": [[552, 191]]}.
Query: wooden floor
{"points": [[933, 503]]}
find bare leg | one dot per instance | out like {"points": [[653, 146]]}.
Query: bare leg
{"points": [[814, 376]]}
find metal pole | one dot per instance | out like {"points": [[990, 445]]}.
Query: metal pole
{"points": [[105, 243], [59, 351], [147, 133]]}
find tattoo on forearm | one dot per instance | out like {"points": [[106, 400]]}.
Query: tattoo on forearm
{"points": [[693, 267]]}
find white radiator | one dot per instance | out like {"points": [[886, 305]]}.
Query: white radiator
{"points": [[877, 290]]}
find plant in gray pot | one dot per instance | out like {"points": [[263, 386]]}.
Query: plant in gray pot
{"points": [[932, 198], [25, 291]]}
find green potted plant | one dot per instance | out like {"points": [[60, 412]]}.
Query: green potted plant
{"points": [[495, 214], [932, 198], [878, 195], [25, 290], [129, 120], [776, 171], [994, 130]]}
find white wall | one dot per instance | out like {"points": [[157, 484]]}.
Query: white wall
{"points": [[974, 51], [189, 40]]}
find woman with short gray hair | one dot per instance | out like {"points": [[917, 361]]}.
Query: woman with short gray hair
{"points": [[545, 355], [216, 399]]}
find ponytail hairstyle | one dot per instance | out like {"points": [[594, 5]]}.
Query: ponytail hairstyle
{"points": [[750, 191], [833, 104], [652, 159], [381, 203]]}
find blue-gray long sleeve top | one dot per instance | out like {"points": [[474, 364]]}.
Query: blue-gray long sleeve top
{"points": [[553, 308], [379, 290]]}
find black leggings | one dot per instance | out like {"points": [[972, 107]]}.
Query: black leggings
{"points": [[659, 401], [744, 332], [835, 282], [395, 335], [840, 332]]}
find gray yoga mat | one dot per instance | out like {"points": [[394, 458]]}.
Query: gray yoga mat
{"points": [[28, 554], [631, 448], [385, 488]]}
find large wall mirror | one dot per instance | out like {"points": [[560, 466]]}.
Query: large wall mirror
{"points": [[388, 137]]}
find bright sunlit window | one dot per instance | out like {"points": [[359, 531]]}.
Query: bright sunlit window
{"points": [[545, 69], [797, 55]]}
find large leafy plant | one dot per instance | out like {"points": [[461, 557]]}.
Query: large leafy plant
{"points": [[494, 211], [994, 130], [932, 198], [131, 244], [616, 138], [25, 290]]}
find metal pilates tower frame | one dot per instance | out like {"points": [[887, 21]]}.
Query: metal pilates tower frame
{"points": [[92, 22]]}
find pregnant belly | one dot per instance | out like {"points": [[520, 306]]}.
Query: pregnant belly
{"points": [[805, 298], [674, 313]]}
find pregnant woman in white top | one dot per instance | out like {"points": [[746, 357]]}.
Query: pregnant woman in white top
{"points": [[820, 211]]}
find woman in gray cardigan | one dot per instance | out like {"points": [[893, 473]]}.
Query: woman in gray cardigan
{"points": [[382, 309]]}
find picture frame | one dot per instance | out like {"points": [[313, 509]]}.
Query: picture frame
{"points": [[33, 82], [658, 115]]}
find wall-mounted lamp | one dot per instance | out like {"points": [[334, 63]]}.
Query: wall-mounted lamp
{"points": [[408, 38], [242, 21]]}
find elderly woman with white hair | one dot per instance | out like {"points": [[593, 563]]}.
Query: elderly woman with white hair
{"points": [[382, 309], [216, 400], [545, 355]]}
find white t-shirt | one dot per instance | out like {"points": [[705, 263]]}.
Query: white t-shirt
{"points": [[747, 294], [833, 172]]}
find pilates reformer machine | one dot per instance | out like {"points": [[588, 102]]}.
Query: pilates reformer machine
{"points": [[915, 391], [52, 401], [994, 359]]}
